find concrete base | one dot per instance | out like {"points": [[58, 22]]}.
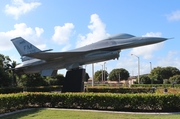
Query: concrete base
{"points": [[74, 81]]}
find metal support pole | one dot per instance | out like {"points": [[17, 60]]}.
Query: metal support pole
{"points": [[150, 66], [138, 67], [104, 71], [92, 74], [138, 70], [119, 77]]}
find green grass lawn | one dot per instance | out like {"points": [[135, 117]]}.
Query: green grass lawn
{"points": [[69, 114]]}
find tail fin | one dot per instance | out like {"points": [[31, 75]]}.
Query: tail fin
{"points": [[24, 47]]}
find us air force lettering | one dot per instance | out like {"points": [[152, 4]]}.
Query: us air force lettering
{"points": [[47, 63]]}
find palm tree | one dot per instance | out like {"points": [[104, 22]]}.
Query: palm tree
{"points": [[4, 61], [13, 65], [7, 66], [1, 60]]}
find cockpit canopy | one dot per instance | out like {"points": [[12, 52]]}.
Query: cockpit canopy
{"points": [[121, 36]]}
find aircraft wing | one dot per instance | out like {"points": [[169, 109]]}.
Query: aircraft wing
{"points": [[54, 55], [64, 55]]}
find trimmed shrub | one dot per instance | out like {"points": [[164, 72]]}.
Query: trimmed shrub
{"points": [[101, 101], [30, 89], [10, 90], [155, 85], [44, 89], [118, 90]]}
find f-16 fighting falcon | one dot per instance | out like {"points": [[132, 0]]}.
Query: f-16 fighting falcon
{"points": [[47, 63]]}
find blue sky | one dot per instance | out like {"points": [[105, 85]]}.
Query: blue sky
{"points": [[67, 24]]}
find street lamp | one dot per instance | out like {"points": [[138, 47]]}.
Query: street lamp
{"points": [[119, 76], [104, 71], [138, 66], [92, 74], [150, 66], [150, 71]]}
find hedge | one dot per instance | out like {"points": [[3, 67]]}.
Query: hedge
{"points": [[10, 90], [119, 90], [89, 89], [156, 85], [30, 89], [101, 101], [43, 89]]}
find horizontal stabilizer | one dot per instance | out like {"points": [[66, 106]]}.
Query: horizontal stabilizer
{"points": [[46, 50]]}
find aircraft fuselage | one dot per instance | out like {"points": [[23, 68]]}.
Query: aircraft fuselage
{"points": [[103, 50]]}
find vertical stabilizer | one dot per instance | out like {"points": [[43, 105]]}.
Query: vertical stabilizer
{"points": [[24, 47]]}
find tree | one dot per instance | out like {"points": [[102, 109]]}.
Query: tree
{"points": [[13, 65], [171, 71], [57, 80], [7, 64], [99, 76], [86, 77], [175, 79], [1, 60], [11, 72], [166, 81], [117, 74], [60, 79], [158, 74], [31, 80], [144, 79], [5, 80], [5, 60]]}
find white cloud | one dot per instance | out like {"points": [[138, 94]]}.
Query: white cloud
{"points": [[19, 7], [97, 33], [174, 16], [65, 48], [62, 33], [28, 33], [147, 51], [152, 34], [129, 63], [170, 60], [39, 31]]}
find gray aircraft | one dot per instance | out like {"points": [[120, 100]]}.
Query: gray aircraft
{"points": [[47, 63]]}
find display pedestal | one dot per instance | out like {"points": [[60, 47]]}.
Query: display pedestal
{"points": [[74, 81]]}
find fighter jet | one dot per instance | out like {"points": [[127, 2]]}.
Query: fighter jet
{"points": [[47, 63]]}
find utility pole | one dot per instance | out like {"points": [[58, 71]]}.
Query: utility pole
{"points": [[150, 66], [138, 67], [92, 74], [119, 77], [104, 71]]}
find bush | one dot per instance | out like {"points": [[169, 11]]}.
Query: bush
{"points": [[175, 79], [30, 89], [118, 90], [120, 102], [155, 85], [44, 89], [10, 90]]}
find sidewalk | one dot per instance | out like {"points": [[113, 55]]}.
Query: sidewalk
{"points": [[102, 111]]}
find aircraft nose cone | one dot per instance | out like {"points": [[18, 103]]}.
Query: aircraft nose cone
{"points": [[154, 39]]}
